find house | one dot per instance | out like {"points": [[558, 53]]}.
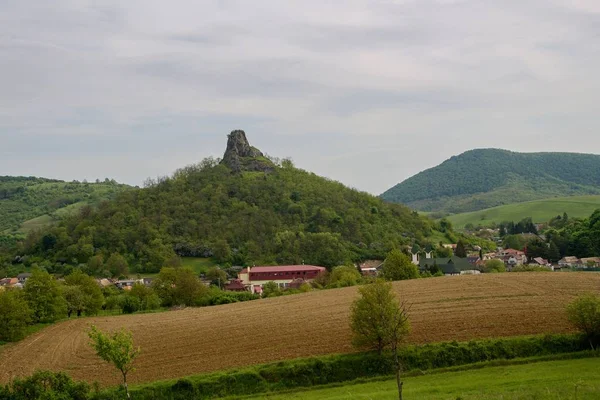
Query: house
{"points": [[126, 284], [568, 261], [539, 261], [147, 281], [590, 262], [104, 282], [235, 285], [448, 265], [255, 277], [8, 282], [370, 267], [450, 246], [22, 278], [473, 260], [512, 257]]}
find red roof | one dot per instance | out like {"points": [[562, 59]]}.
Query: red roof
{"points": [[284, 268]]}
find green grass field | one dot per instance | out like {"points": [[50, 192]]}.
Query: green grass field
{"points": [[539, 210], [568, 379]]}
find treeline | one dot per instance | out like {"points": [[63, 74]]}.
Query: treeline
{"points": [[45, 299], [288, 216], [526, 225]]}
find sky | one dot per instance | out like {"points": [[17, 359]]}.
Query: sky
{"points": [[366, 92]]}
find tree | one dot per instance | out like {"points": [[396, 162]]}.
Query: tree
{"points": [[75, 300], [148, 300], [15, 315], [117, 265], [398, 266], [584, 314], [92, 298], [178, 286], [117, 349], [271, 289], [217, 276], [222, 251], [44, 296], [344, 276], [460, 250], [95, 265], [494, 266], [378, 321]]}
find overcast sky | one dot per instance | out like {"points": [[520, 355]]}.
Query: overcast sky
{"points": [[367, 92]]}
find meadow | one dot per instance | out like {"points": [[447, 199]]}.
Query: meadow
{"points": [[540, 211], [564, 379], [199, 340]]}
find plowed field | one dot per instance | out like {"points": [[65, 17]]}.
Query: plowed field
{"points": [[191, 341]]}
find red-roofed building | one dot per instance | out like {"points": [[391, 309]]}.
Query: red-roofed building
{"points": [[283, 275]]}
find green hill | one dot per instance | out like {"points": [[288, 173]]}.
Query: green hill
{"points": [[28, 203], [539, 210], [484, 178], [245, 209]]}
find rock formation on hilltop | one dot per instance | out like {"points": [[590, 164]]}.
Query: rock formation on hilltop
{"points": [[240, 156]]}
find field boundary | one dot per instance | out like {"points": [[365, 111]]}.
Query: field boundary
{"points": [[360, 367], [468, 367]]}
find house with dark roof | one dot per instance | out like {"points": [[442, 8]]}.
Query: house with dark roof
{"points": [[448, 265], [236, 285], [22, 278]]}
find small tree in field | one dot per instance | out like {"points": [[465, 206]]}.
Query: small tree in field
{"points": [[117, 349], [379, 321], [584, 314]]}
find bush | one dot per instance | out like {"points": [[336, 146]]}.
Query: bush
{"points": [[216, 296], [46, 385], [584, 314]]}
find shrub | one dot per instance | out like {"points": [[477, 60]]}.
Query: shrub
{"points": [[584, 314], [46, 385]]}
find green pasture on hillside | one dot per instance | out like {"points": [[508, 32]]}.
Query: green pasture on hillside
{"points": [[567, 379], [539, 210]]}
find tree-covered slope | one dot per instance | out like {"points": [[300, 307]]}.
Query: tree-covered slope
{"points": [[40, 200], [257, 212], [485, 178]]}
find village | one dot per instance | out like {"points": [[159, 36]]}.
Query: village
{"points": [[291, 277]]}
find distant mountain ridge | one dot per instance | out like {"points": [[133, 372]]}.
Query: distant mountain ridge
{"points": [[484, 178]]}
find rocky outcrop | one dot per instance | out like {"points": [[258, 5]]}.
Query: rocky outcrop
{"points": [[240, 156]]}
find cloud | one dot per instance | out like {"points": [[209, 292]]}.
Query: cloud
{"points": [[367, 92]]}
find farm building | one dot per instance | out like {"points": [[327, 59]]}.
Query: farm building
{"points": [[370, 267], [255, 277]]}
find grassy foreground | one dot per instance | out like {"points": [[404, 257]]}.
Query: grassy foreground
{"points": [[539, 211], [566, 379]]}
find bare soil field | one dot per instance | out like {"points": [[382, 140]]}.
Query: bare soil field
{"points": [[198, 340]]}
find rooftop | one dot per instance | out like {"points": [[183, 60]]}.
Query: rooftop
{"points": [[284, 268]]}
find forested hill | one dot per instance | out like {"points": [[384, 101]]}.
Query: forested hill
{"points": [[24, 199], [484, 178], [245, 209]]}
